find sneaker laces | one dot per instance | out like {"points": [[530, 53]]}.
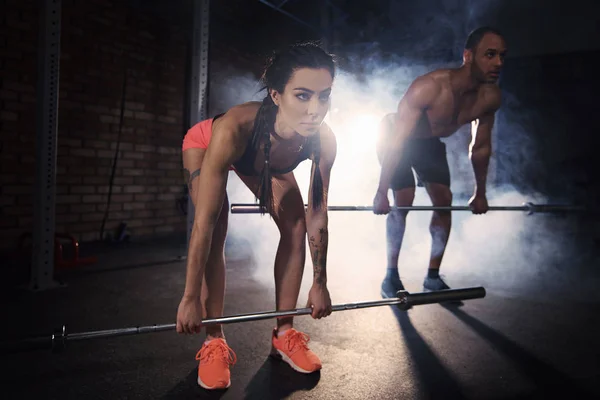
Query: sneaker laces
{"points": [[296, 340], [216, 349]]}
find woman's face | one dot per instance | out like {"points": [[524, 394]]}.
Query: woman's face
{"points": [[304, 102]]}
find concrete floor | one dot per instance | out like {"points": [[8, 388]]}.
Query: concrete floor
{"points": [[527, 340]]}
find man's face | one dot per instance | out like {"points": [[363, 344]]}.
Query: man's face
{"points": [[488, 58]]}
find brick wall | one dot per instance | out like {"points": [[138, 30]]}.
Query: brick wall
{"points": [[18, 35], [100, 41]]}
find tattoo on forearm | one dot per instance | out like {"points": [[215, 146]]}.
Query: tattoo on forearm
{"points": [[318, 247]]}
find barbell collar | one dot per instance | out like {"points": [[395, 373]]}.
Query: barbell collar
{"points": [[59, 339]]}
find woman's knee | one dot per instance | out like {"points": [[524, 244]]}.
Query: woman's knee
{"points": [[290, 216], [292, 227], [220, 231]]}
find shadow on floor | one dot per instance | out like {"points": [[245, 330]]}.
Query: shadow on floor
{"points": [[549, 381], [277, 380], [189, 389], [274, 380], [435, 381]]}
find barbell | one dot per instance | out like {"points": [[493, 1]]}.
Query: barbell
{"points": [[404, 300], [530, 208]]}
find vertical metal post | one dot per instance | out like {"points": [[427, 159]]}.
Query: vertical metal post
{"points": [[199, 81], [42, 257]]}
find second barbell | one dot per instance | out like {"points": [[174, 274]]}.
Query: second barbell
{"points": [[530, 208]]}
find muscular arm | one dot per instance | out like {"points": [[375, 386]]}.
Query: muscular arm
{"points": [[480, 148], [418, 98], [225, 147], [317, 220]]}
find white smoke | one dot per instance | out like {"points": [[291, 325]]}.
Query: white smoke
{"points": [[504, 251]]}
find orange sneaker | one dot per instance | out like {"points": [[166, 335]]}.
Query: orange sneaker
{"points": [[292, 348], [215, 357]]}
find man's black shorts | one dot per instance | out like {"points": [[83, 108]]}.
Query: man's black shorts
{"points": [[428, 159]]}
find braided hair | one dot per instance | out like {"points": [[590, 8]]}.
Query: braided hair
{"points": [[278, 71]]}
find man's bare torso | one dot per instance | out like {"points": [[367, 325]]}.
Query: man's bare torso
{"points": [[451, 109]]}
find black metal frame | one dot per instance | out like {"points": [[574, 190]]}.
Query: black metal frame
{"points": [[42, 254], [199, 81]]}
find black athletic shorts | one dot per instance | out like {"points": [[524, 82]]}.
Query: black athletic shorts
{"points": [[428, 159]]}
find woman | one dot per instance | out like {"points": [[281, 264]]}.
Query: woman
{"points": [[263, 143]]}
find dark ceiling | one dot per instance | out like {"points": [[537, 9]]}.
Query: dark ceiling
{"points": [[301, 12], [294, 14]]}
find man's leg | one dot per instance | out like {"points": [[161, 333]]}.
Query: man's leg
{"points": [[395, 226], [432, 167], [439, 227], [403, 187]]}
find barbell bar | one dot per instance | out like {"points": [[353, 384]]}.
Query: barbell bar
{"points": [[530, 208], [404, 300]]}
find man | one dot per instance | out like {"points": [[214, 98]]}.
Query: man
{"points": [[435, 106]]}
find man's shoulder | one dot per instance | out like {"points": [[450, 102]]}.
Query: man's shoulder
{"points": [[438, 77], [425, 88], [434, 79], [491, 96]]}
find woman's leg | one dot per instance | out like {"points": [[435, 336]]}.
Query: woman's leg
{"points": [[289, 344], [213, 284], [291, 252], [289, 216]]}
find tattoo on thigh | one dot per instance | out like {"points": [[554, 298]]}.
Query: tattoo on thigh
{"points": [[191, 178]]}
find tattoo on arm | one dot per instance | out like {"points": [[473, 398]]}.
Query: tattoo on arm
{"points": [[318, 245], [322, 232]]}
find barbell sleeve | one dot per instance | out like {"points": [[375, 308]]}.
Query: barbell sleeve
{"points": [[449, 295]]}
